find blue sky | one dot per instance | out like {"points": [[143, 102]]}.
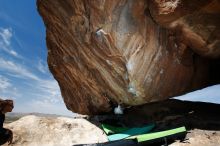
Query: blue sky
{"points": [[24, 74]]}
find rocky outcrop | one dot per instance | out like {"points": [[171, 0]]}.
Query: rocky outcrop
{"points": [[128, 52], [51, 131]]}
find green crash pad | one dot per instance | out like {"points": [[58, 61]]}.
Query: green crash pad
{"points": [[131, 132], [109, 129], [156, 135]]}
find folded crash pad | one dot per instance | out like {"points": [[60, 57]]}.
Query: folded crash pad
{"points": [[156, 138], [131, 132], [109, 129], [124, 142], [157, 135]]}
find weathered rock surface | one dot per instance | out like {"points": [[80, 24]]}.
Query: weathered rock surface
{"points": [[128, 52], [199, 137], [195, 23], [42, 131]]}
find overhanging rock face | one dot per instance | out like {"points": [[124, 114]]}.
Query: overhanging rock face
{"points": [[128, 52]]}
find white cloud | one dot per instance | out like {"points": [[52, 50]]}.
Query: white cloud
{"points": [[48, 98], [48, 87], [11, 20], [7, 89], [6, 34], [45, 93], [20, 71], [12, 52], [5, 41], [16, 70], [42, 66], [4, 83]]}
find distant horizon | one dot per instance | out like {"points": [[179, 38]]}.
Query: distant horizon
{"points": [[30, 113]]}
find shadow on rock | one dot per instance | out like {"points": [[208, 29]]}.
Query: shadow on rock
{"points": [[167, 114]]}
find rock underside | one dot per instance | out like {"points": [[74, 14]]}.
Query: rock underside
{"points": [[129, 52]]}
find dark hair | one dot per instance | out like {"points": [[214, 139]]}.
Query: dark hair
{"points": [[4, 103]]}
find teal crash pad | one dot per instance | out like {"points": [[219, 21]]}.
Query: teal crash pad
{"points": [[156, 135], [109, 129], [131, 132]]}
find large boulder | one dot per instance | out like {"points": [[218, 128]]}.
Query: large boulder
{"points": [[54, 131], [128, 52]]}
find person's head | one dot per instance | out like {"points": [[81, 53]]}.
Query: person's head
{"points": [[6, 106]]}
